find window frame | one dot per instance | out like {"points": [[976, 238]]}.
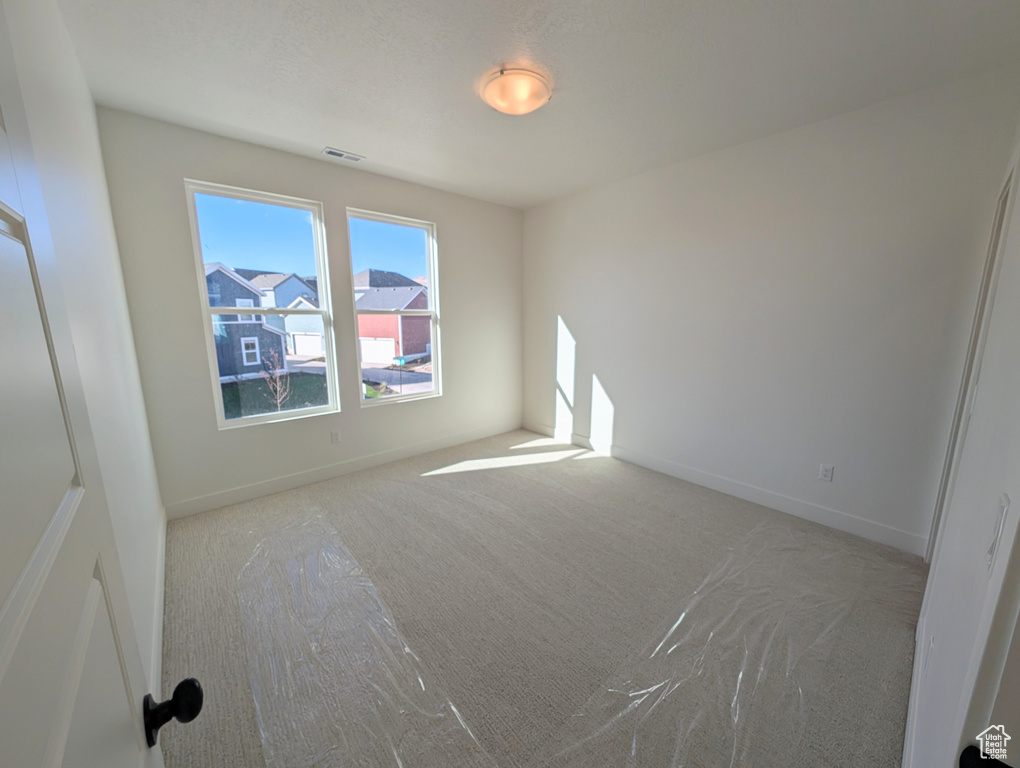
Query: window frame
{"points": [[239, 305], [244, 352], [209, 312], [432, 293]]}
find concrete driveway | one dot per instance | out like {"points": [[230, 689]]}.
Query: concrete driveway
{"points": [[404, 382]]}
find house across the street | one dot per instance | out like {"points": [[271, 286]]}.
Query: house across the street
{"points": [[383, 337], [243, 341]]}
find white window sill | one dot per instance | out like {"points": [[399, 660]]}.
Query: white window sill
{"points": [[371, 402], [270, 418]]}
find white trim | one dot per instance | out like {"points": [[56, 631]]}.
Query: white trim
{"points": [[244, 322], [17, 230], [268, 418], [975, 352], [159, 601], [832, 518], [215, 266], [372, 402], [212, 311], [249, 305], [99, 573], [315, 208], [417, 312], [431, 292], [244, 352], [242, 493], [19, 603], [262, 324], [57, 740], [913, 729], [400, 336], [389, 218]]}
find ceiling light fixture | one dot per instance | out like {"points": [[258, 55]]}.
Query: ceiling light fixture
{"points": [[516, 91]]}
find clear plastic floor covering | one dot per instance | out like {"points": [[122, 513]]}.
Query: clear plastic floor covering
{"points": [[732, 678], [334, 682]]}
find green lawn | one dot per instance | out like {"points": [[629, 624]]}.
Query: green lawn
{"points": [[251, 397]]}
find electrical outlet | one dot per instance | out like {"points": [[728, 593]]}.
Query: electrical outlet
{"points": [[334, 436], [825, 472]]}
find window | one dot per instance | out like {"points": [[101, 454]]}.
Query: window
{"points": [[277, 364], [396, 305], [250, 351], [243, 303]]}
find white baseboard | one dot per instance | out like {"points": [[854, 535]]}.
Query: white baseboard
{"points": [[834, 518], [242, 493], [156, 652]]}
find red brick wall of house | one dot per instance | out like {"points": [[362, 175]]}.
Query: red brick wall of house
{"points": [[417, 334]]}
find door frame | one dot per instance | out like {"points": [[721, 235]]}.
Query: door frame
{"points": [[972, 363], [966, 398]]}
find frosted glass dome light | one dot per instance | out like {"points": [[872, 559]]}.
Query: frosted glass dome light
{"points": [[516, 91]]}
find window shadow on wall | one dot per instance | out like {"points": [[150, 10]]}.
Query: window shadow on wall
{"points": [[570, 422]]}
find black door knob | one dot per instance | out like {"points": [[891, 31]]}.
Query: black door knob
{"points": [[184, 705]]}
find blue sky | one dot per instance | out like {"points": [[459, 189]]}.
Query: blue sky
{"points": [[243, 234], [392, 247]]}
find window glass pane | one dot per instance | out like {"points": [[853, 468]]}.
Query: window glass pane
{"points": [[396, 355], [266, 367], [247, 303], [389, 256], [255, 252]]}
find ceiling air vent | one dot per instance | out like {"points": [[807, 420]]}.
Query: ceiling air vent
{"points": [[339, 154]]}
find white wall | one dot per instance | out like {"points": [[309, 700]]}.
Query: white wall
{"points": [[65, 139], [199, 467], [796, 300]]}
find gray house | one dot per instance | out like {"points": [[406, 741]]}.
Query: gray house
{"points": [[279, 290], [243, 341], [303, 333]]}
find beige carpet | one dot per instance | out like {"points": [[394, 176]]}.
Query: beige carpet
{"points": [[514, 602]]}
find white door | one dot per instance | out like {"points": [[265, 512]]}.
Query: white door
{"points": [[974, 570], [71, 677]]}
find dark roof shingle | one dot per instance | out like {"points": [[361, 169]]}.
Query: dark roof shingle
{"points": [[387, 298], [378, 278]]}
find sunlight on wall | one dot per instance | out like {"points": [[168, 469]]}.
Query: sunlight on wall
{"points": [[563, 426], [566, 356], [500, 462], [602, 415]]}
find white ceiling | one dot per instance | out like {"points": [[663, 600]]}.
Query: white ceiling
{"points": [[638, 83]]}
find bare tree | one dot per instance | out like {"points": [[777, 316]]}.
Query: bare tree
{"points": [[277, 379]]}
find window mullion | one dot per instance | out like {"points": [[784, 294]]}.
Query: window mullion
{"points": [[263, 311], [392, 312]]}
